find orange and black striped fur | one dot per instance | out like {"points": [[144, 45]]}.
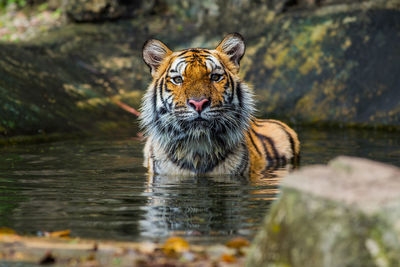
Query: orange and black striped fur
{"points": [[198, 115]]}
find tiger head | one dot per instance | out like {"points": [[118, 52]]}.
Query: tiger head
{"points": [[196, 98]]}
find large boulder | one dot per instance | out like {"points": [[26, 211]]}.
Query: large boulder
{"points": [[343, 214]]}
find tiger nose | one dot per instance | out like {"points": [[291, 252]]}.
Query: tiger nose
{"points": [[199, 105]]}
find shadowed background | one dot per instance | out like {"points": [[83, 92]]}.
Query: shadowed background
{"points": [[314, 62]]}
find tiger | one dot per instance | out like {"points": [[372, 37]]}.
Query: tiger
{"points": [[198, 115]]}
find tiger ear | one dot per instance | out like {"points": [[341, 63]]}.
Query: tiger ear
{"points": [[233, 46], [154, 52]]}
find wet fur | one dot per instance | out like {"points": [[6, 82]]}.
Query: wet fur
{"points": [[225, 138]]}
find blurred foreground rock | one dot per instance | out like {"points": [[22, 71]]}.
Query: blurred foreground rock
{"points": [[343, 214]]}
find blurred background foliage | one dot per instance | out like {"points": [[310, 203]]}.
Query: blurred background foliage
{"points": [[19, 3]]}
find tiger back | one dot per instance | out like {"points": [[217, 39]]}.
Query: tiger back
{"points": [[197, 115]]}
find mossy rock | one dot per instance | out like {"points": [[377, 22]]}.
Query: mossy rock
{"points": [[337, 67], [343, 214]]}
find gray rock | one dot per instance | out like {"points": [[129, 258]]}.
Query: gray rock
{"points": [[343, 214], [102, 10]]}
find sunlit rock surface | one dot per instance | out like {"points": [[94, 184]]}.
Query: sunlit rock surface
{"points": [[333, 62], [343, 214]]}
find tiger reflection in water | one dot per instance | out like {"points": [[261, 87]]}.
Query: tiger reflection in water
{"points": [[204, 208]]}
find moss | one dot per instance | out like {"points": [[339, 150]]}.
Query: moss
{"points": [[321, 69]]}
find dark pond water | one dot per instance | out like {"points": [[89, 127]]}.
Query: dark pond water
{"points": [[99, 189]]}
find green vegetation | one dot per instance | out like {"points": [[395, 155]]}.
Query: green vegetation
{"points": [[26, 5], [19, 3]]}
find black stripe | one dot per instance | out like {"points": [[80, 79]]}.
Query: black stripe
{"points": [[181, 62], [272, 144], [197, 56], [239, 94], [267, 155], [233, 88], [291, 140], [183, 53], [167, 90], [254, 144], [194, 50], [211, 58], [161, 93], [256, 123], [226, 86]]}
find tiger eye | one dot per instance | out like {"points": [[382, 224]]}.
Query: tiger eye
{"points": [[215, 77], [177, 79]]}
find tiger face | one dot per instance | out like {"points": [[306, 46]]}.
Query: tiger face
{"points": [[196, 105]]}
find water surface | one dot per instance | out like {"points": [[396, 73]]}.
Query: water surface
{"points": [[98, 188]]}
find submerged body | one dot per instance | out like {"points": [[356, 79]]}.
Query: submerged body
{"points": [[198, 115]]}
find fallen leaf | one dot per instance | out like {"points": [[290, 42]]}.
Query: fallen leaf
{"points": [[237, 243], [228, 258], [63, 233], [175, 245], [7, 231]]}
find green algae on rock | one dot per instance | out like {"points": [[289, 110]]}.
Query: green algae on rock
{"points": [[338, 68]]}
